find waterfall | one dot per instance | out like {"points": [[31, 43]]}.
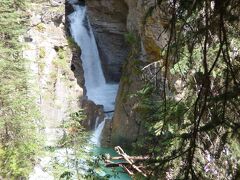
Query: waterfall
{"points": [[97, 89], [90, 59], [95, 139]]}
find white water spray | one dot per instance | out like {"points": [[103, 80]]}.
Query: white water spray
{"points": [[97, 89], [95, 139]]}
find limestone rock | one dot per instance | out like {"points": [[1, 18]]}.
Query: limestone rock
{"points": [[151, 28], [76, 67], [57, 91], [125, 124], [56, 3], [35, 19]]}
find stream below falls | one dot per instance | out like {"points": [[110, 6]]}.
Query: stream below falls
{"points": [[98, 91]]}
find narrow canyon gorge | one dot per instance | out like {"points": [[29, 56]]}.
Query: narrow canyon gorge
{"points": [[119, 89]]}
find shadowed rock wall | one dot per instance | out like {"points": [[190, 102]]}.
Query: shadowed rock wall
{"points": [[108, 20]]}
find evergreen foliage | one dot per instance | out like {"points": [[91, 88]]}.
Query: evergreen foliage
{"points": [[18, 136], [196, 136], [78, 159]]}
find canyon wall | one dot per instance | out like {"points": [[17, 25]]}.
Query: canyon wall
{"points": [[129, 33], [108, 20], [56, 68], [51, 57], [115, 22]]}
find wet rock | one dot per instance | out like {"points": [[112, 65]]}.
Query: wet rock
{"points": [[76, 67], [108, 20], [93, 112], [68, 8], [106, 134]]}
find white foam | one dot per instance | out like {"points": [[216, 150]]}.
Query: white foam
{"points": [[97, 89]]}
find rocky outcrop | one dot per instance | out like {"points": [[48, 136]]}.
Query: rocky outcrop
{"points": [[148, 22], [125, 125], [94, 114], [76, 66], [50, 55], [108, 20], [106, 133]]}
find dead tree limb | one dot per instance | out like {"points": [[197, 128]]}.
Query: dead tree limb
{"points": [[127, 158]]}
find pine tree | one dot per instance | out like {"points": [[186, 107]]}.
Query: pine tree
{"points": [[18, 138]]}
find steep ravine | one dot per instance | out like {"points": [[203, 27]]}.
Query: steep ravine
{"points": [[68, 78], [98, 89], [62, 91], [122, 20]]}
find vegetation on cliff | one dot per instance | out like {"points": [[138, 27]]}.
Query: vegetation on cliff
{"points": [[191, 114], [18, 114]]}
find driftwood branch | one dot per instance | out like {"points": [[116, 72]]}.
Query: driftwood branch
{"points": [[135, 158], [114, 164], [130, 162]]}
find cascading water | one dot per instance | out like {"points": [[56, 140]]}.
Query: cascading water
{"points": [[95, 139], [97, 89]]}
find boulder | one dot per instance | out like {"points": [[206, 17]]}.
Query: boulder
{"points": [[93, 112]]}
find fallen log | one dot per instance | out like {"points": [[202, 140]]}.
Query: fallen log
{"points": [[135, 158], [115, 164], [126, 169], [120, 151], [129, 161]]}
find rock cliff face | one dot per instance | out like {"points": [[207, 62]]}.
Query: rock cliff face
{"points": [[50, 55], [149, 22], [108, 20], [57, 77], [56, 68], [112, 20]]}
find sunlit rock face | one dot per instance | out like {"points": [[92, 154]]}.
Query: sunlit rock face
{"points": [[149, 24], [57, 91], [108, 20]]}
